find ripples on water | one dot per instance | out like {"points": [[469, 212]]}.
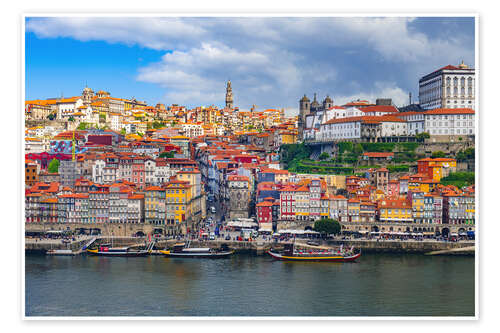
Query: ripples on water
{"points": [[377, 285]]}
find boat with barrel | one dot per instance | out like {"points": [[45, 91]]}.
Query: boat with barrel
{"points": [[290, 253], [181, 250], [130, 251]]}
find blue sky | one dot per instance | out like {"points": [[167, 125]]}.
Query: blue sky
{"points": [[271, 62]]}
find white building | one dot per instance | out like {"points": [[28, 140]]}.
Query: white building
{"points": [[448, 87], [192, 130], [115, 120], [98, 171], [450, 122], [67, 106], [415, 121], [150, 167]]}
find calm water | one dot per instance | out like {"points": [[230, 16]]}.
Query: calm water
{"points": [[378, 285]]}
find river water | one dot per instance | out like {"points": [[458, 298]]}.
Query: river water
{"points": [[245, 285]]}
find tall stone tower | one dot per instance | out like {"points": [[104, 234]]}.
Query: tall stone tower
{"points": [[327, 103], [304, 110], [229, 95], [87, 95]]}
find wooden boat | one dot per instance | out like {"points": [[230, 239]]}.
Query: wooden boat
{"points": [[60, 253], [329, 255], [180, 250], [106, 250]]}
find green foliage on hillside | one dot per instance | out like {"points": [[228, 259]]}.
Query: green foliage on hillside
{"points": [[467, 154], [344, 146], [398, 168], [459, 179], [438, 154], [323, 156]]}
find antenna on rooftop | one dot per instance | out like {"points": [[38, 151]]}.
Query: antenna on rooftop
{"points": [[409, 94]]}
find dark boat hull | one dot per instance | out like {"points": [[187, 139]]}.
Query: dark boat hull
{"points": [[118, 254], [216, 255], [330, 258]]}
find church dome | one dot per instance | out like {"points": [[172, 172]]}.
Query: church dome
{"points": [[328, 99], [304, 99]]}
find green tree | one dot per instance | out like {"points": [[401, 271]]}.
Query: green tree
{"points": [[327, 226], [438, 154], [123, 131], [324, 156], [358, 149], [422, 136], [140, 134], [51, 116], [157, 124], [167, 154], [71, 118], [82, 126], [54, 166]]}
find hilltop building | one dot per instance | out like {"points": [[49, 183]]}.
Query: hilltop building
{"points": [[448, 87]]}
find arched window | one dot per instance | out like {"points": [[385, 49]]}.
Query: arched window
{"points": [[455, 91], [448, 81], [469, 91], [455, 81], [462, 81]]}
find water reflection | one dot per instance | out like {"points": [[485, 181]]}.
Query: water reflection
{"points": [[245, 285]]}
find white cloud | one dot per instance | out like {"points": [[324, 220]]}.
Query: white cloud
{"points": [[380, 90], [271, 62]]}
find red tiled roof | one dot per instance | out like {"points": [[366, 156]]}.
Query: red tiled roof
{"points": [[375, 154], [450, 111]]}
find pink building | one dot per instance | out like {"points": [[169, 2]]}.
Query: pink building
{"points": [[139, 173]]}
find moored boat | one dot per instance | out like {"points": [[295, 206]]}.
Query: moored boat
{"points": [[107, 250], [60, 253], [291, 254], [181, 251]]}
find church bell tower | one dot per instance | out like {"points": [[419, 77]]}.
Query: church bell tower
{"points": [[229, 95]]}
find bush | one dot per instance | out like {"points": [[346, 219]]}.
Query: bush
{"points": [[422, 136], [323, 156], [438, 154]]}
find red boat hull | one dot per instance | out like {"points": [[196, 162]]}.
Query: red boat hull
{"points": [[325, 258]]}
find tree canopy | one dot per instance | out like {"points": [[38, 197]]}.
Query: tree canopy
{"points": [[327, 226], [167, 154], [324, 155], [157, 124], [54, 166], [438, 154]]}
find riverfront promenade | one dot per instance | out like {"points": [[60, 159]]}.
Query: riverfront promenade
{"points": [[261, 246]]}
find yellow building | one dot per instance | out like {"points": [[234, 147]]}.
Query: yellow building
{"points": [[178, 201], [353, 210], [288, 137], [395, 211], [417, 203], [302, 203]]}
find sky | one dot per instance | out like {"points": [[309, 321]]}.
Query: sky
{"points": [[271, 61]]}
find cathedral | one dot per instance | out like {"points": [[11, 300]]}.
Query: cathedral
{"points": [[306, 108]]}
